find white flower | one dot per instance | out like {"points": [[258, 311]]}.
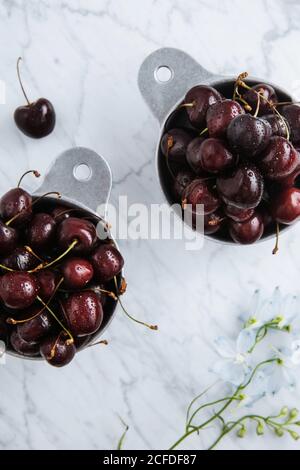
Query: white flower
{"points": [[235, 365], [259, 312]]}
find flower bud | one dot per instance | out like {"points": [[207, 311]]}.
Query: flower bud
{"points": [[260, 429], [293, 413], [297, 423], [284, 411], [241, 432], [279, 432], [294, 435]]}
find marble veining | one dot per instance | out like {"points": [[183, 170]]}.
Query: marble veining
{"points": [[85, 56]]}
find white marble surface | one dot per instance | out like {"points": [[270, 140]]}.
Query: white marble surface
{"points": [[85, 56]]}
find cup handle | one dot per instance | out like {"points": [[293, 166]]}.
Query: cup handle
{"points": [[81, 176], [184, 73]]}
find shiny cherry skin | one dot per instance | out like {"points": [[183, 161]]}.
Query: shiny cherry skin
{"points": [[285, 207], [213, 222], [48, 281], [84, 313], [291, 113], [16, 201], [60, 213], [20, 259], [81, 230], [181, 181], [32, 331], [248, 135], [41, 231], [279, 125], [267, 100], [18, 290], [8, 239], [220, 115], [238, 215], [215, 156], [199, 192], [193, 155], [107, 262], [174, 144], [77, 273], [202, 97], [242, 188], [23, 347], [36, 119], [247, 232], [57, 350], [279, 159]]}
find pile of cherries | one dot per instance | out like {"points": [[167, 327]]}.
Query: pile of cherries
{"points": [[237, 155], [59, 282]]}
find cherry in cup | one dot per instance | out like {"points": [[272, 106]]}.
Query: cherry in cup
{"points": [[241, 162]]}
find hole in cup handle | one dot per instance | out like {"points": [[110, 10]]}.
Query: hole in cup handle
{"points": [[165, 76], [81, 176]]}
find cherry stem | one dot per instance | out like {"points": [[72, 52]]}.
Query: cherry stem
{"points": [[258, 105], [20, 81], [47, 265], [12, 321], [276, 247], [152, 327], [204, 130], [6, 268], [34, 202], [103, 341], [187, 105], [170, 143], [56, 318], [34, 172], [30, 250]]}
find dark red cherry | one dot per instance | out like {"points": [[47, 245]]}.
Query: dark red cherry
{"points": [[181, 181], [290, 180], [237, 214], [16, 201], [264, 211], [279, 125], [285, 207], [8, 239], [291, 113], [215, 155], [107, 262], [18, 290], [267, 100], [220, 115], [174, 144], [41, 231], [84, 313], [199, 192], [58, 350], [72, 229], [48, 281], [243, 187], [247, 232], [248, 135], [77, 273], [35, 119], [199, 98], [40, 324], [193, 155], [60, 213], [279, 159], [23, 347], [212, 223], [20, 260]]}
